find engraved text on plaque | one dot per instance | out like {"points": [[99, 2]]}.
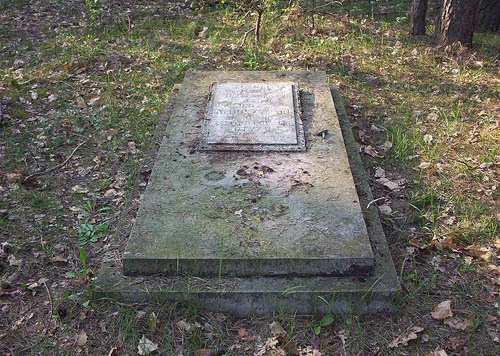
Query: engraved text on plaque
{"points": [[253, 116]]}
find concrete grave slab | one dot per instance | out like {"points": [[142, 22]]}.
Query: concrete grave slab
{"points": [[239, 213], [260, 295]]}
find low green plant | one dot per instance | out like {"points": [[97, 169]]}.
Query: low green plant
{"points": [[328, 318], [95, 11], [85, 275], [91, 232], [253, 60]]}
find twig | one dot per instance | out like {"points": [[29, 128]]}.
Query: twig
{"points": [[55, 167], [245, 36], [373, 201], [50, 299], [315, 8], [111, 300]]}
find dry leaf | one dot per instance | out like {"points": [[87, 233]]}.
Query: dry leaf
{"points": [[450, 220], [491, 298], [403, 339], [481, 252], [81, 70], [183, 325], [428, 138], [220, 317], [277, 329], [95, 100], [379, 173], [392, 185], [32, 286], [203, 33], [12, 177], [447, 242], [386, 146], [21, 321], [146, 346], [81, 339], [245, 335], [270, 347], [433, 116], [110, 193], [439, 352], [442, 311], [58, 259], [385, 209], [369, 150], [456, 323], [131, 147], [13, 261], [291, 349], [111, 133], [494, 334], [424, 165], [204, 352], [309, 351], [116, 351], [491, 318], [80, 103]]}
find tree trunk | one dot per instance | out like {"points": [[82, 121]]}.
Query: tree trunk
{"points": [[456, 22], [417, 18], [257, 25], [488, 16]]}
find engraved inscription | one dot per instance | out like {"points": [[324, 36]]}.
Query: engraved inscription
{"points": [[252, 114]]}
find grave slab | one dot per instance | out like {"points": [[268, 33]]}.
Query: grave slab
{"points": [[260, 295], [251, 212]]}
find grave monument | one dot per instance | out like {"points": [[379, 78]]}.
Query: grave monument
{"points": [[257, 203]]}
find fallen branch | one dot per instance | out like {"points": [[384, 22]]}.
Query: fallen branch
{"points": [[55, 167]]}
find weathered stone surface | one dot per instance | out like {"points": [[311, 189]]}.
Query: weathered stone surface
{"points": [[261, 295], [250, 213]]}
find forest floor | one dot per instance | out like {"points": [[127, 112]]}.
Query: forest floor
{"points": [[82, 87]]}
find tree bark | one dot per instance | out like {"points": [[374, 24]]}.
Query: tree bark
{"points": [[417, 18], [257, 25], [456, 22], [488, 16]]}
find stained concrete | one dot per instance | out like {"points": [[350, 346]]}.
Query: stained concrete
{"points": [[261, 295], [250, 213]]}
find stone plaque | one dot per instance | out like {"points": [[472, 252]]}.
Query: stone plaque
{"points": [[253, 117]]}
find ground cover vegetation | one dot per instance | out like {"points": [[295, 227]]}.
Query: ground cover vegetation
{"points": [[82, 87]]}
